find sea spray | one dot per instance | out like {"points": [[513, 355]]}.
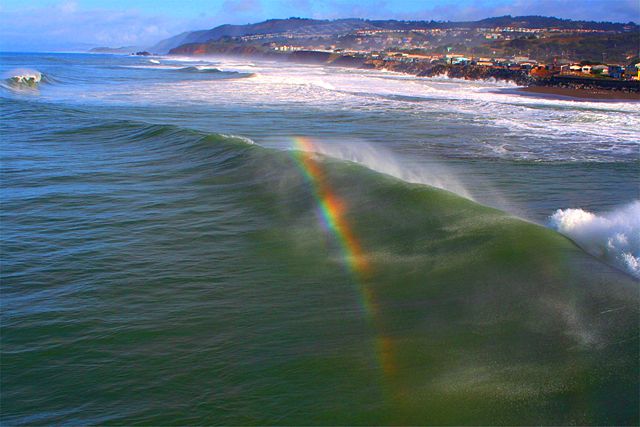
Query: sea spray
{"points": [[384, 161], [614, 236]]}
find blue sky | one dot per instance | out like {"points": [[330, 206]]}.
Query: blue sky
{"points": [[39, 25]]}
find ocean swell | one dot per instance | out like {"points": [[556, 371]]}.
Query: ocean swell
{"points": [[307, 289]]}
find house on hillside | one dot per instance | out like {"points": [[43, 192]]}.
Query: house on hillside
{"points": [[600, 69], [616, 71], [540, 70]]}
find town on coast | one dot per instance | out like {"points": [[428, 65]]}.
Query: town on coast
{"points": [[536, 52]]}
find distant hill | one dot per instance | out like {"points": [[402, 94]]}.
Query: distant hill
{"points": [[534, 21], [123, 49], [301, 26], [166, 45], [294, 25]]}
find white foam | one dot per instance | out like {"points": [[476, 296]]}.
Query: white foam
{"points": [[241, 138], [516, 127], [614, 236], [153, 67], [206, 68], [24, 76]]}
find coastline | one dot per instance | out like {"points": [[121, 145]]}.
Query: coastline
{"points": [[560, 87], [585, 95]]}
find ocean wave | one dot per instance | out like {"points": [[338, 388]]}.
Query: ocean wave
{"points": [[200, 69], [195, 70], [207, 69], [613, 236], [384, 161], [428, 270], [374, 183], [23, 78]]}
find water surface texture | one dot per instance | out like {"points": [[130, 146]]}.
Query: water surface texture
{"points": [[229, 241]]}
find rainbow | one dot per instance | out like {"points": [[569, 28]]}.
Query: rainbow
{"points": [[332, 211]]}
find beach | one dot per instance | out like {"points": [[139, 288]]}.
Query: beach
{"points": [[589, 94]]}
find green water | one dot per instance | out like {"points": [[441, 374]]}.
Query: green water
{"points": [[155, 274]]}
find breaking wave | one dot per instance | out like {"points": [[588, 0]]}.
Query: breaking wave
{"points": [[205, 69], [200, 69], [614, 236], [386, 162], [23, 78]]}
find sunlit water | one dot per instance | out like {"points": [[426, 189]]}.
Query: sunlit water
{"points": [[173, 251]]}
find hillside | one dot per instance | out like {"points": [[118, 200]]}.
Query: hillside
{"points": [[507, 21], [300, 27], [588, 47], [122, 50]]}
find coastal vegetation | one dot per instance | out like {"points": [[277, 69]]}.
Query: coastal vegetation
{"points": [[595, 47]]}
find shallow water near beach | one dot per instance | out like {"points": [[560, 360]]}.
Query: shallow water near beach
{"points": [[230, 241]]}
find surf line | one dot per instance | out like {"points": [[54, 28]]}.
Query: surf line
{"points": [[332, 211]]}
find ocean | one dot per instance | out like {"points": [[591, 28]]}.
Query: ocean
{"points": [[235, 241]]}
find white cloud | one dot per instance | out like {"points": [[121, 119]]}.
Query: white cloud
{"points": [[68, 7], [66, 26]]}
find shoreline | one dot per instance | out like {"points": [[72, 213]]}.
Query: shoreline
{"points": [[584, 95], [558, 87]]}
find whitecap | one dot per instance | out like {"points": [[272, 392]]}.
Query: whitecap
{"points": [[614, 236]]}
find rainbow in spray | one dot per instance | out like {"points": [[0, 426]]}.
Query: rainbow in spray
{"points": [[332, 211]]}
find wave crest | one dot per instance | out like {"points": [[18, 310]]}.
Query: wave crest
{"points": [[200, 69], [205, 69], [384, 161], [23, 78], [614, 236]]}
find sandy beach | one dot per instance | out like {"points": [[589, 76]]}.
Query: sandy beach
{"points": [[590, 95]]}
